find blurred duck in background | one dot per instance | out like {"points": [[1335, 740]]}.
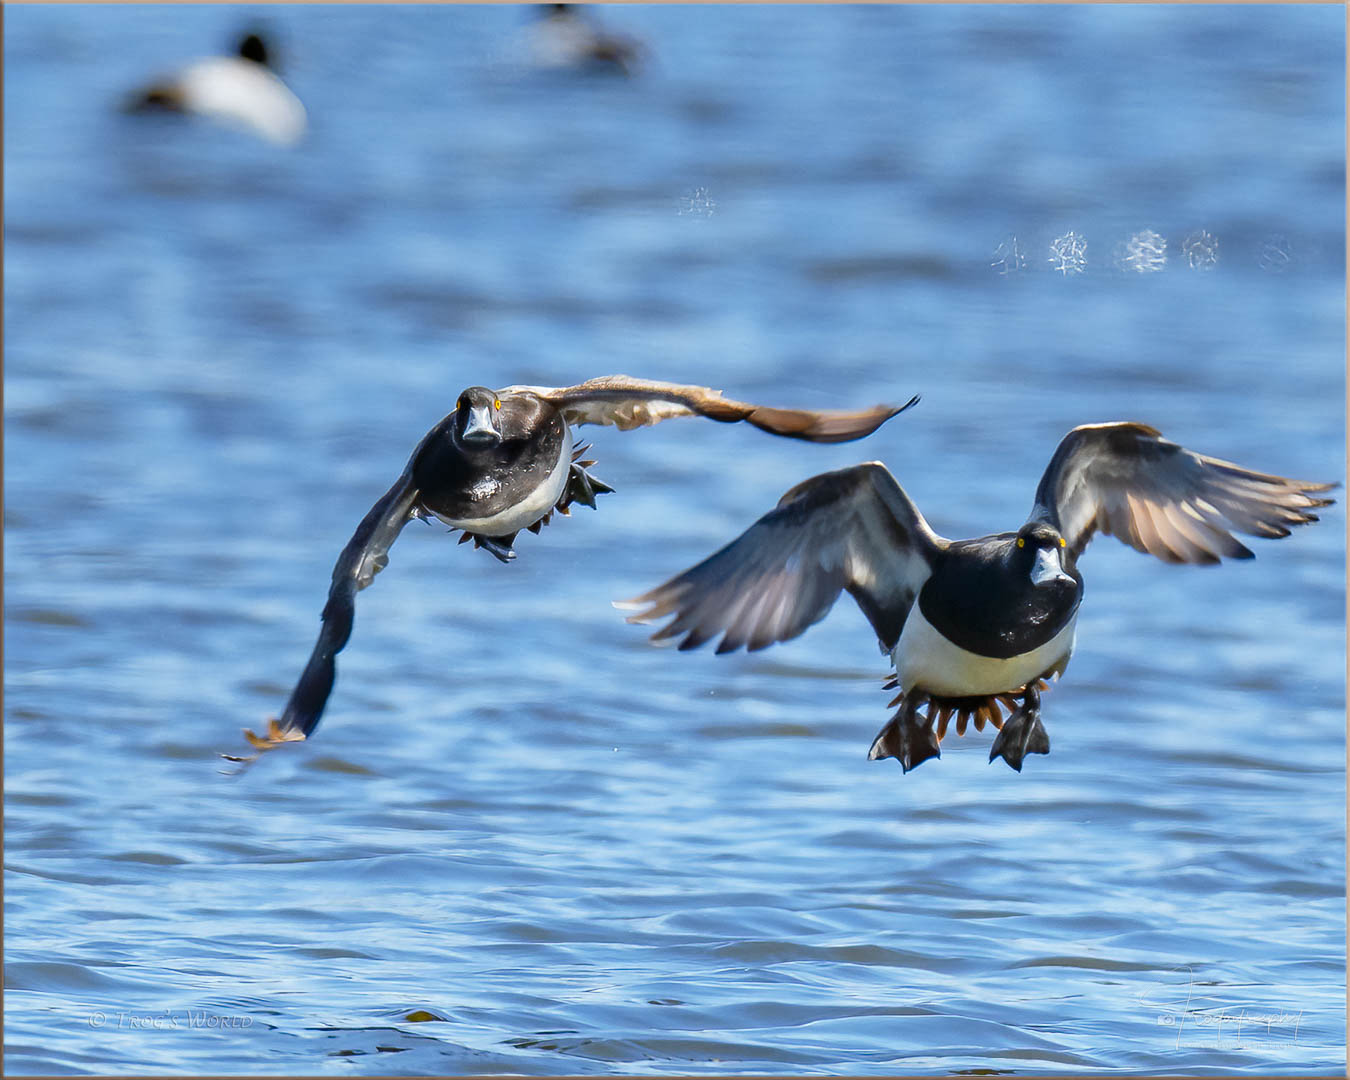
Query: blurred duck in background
{"points": [[242, 91], [565, 37]]}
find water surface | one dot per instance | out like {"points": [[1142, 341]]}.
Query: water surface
{"points": [[523, 840]]}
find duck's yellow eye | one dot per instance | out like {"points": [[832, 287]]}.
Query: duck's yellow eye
{"points": [[496, 404], [1062, 543], [1021, 542]]}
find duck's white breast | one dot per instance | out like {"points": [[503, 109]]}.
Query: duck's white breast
{"points": [[530, 509], [925, 659]]}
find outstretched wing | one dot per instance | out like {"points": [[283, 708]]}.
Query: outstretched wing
{"points": [[627, 403], [853, 529], [1160, 498], [366, 554]]}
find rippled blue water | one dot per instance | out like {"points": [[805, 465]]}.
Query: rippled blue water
{"points": [[522, 840]]}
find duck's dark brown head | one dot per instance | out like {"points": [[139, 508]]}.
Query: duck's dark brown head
{"points": [[485, 418], [1038, 551]]}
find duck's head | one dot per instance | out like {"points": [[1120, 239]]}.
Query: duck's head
{"points": [[477, 418], [487, 418], [252, 47], [1038, 551]]}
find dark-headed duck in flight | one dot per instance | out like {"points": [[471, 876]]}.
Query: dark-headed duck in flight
{"points": [[502, 462], [972, 626]]}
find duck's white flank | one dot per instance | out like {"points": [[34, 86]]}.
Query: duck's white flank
{"points": [[244, 94], [926, 660], [561, 41]]}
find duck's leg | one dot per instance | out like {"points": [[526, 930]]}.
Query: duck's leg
{"points": [[1023, 733], [500, 546], [905, 738], [581, 486]]}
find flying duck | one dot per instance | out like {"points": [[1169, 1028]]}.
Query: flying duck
{"points": [[565, 37], [504, 461], [242, 91], [972, 627]]}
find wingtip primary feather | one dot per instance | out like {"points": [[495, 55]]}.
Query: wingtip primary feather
{"points": [[825, 427]]}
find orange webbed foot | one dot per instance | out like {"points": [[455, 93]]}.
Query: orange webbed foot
{"points": [[276, 736]]}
